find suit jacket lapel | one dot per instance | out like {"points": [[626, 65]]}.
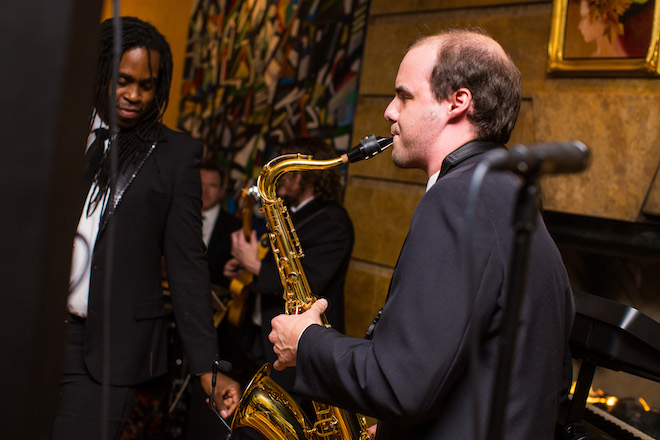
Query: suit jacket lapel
{"points": [[91, 160], [124, 180], [308, 212]]}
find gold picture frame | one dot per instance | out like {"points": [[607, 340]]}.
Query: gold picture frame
{"points": [[588, 37]]}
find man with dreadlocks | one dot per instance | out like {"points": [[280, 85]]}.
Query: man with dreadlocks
{"points": [[117, 330]]}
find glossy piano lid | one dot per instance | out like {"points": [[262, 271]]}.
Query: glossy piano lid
{"points": [[617, 336]]}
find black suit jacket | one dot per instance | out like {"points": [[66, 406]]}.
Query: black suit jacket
{"points": [[414, 375], [219, 248], [157, 212], [326, 236]]}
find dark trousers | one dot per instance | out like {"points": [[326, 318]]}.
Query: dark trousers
{"points": [[81, 408], [202, 424]]}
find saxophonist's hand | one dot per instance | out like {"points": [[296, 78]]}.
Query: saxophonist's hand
{"points": [[287, 330]]}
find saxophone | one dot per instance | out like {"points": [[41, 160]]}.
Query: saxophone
{"points": [[265, 406]]}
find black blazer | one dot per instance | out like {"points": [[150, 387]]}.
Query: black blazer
{"points": [[414, 375], [219, 248], [326, 236], [157, 213]]}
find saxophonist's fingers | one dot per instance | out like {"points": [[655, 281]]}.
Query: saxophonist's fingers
{"points": [[283, 337], [286, 331], [319, 307]]}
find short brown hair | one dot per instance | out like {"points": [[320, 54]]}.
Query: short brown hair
{"points": [[494, 80]]}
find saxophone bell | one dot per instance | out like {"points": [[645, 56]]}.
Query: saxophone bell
{"points": [[368, 148]]}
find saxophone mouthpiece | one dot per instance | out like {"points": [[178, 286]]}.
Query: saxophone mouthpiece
{"points": [[369, 147]]}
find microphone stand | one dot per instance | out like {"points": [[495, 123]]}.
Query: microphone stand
{"points": [[225, 367], [524, 223]]}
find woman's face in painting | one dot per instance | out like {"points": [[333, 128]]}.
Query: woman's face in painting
{"points": [[591, 30]]}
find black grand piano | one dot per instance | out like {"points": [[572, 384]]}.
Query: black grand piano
{"points": [[609, 335]]}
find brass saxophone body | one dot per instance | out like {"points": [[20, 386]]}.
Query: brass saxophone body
{"points": [[265, 406]]}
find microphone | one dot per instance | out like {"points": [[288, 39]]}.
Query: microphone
{"points": [[222, 366], [550, 158], [368, 148]]}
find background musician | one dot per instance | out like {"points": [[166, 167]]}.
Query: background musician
{"points": [[326, 236], [457, 95], [217, 224], [217, 227]]}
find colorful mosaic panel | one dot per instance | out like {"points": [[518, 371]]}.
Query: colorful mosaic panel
{"points": [[261, 72]]}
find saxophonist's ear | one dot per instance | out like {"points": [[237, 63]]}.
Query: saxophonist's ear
{"points": [[459, 103]]}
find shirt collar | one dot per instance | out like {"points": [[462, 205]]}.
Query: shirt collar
{"points": [[299, 207], [96, 123], [432, 180], [211, 213]]}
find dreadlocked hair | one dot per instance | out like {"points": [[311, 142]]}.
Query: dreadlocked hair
{"points": [[327, 184], [129, 141]]}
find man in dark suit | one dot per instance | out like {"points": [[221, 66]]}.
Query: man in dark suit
{"points": [[326, 236], [117, 329], [217, 224], [217, 227], [457, 95]]}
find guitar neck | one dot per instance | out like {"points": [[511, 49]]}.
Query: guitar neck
{"points": [[246, 212], [247, 227]]}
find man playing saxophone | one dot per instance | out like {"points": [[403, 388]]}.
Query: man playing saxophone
{"points": [[326, 236], [457, 95]]}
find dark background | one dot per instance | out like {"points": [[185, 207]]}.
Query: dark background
{"points": [[48, 52]]}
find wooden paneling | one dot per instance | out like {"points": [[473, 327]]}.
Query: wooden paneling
{"points": [[652, 204], [407, 6], [381, 213], [625, 153], [367, 284], [530, 25], [523, 132]]}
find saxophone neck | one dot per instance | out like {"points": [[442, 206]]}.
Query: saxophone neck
{"points": [[276, 168], [273, 170]]}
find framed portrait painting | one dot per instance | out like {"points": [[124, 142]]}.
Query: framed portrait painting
{"points": [[604, 37]]}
